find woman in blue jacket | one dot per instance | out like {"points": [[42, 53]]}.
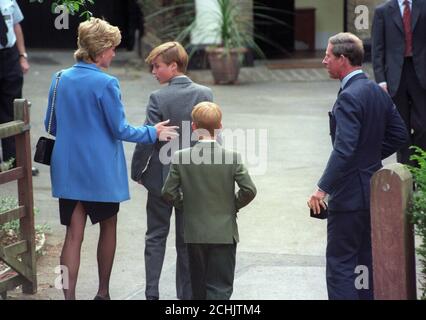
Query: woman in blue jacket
{"points": [[88, 167]]}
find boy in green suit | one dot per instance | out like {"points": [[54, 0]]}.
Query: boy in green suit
{"points": [[202, 181]]}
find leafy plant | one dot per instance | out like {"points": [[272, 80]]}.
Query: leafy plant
{"points": [[232, 27], [72, 6], [7, 165], [418, 208], [167, 22], [9, 203]]}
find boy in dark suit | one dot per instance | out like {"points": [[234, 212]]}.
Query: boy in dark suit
{"points": [[150, 164], [202, 180]]}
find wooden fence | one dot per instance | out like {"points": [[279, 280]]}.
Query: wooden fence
{"points": [[20, 256]]}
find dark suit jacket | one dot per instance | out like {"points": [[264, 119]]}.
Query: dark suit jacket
{"points": [[174, 102], [210, 203], [388, 43], [365, 128]]}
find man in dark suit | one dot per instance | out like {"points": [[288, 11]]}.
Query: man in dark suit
{"points": [[399, 61], [151, 164], [365, 128]]}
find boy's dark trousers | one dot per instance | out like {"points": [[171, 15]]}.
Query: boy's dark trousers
{"points": [[212, 268], [158, 224]]}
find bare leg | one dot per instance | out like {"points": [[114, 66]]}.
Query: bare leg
{"points": [[70, 256], [106, 252]]}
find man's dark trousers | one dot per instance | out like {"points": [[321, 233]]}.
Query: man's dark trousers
{"points": [[158, 221], [410, 100], [349, 246], [11, 81]]}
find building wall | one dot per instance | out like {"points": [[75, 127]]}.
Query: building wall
{"points": [[369, 5], [329, 18]]}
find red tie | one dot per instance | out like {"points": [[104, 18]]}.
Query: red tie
{"points": [[406, 19]]}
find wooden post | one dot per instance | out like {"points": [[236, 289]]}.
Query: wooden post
{"points": [[392, 234], [25, 195]]}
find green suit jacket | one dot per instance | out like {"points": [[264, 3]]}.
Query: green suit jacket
{"points": [[201, 181]]}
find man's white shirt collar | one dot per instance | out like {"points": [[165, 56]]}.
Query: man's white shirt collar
{"points": [[348, 76]]}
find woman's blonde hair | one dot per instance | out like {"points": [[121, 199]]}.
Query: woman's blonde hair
{"points": [[207, 115], [94, 36], [170, 52]]}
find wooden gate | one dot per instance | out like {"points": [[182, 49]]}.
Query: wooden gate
{"points": [[20, 256]]}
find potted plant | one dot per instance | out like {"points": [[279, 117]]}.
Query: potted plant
{"points": [[233, 35], [226, 28]]}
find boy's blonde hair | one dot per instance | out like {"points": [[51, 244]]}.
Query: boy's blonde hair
{"points": [[94, 36], [207, 115], [170, 52]]}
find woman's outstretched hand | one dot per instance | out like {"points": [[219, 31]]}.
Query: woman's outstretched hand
{"points": [[166, 133]]}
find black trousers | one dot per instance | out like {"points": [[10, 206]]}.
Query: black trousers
{"points": [[158, 224], [349, 256], [212, 268], [11, 81], [410, 100]]}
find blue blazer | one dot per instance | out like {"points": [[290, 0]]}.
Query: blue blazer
{"points": [[89, 123], [365, 128]]}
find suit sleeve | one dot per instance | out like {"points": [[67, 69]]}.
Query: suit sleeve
{"points": [[153, 114], [171, 191], [348, 128], [396, 134], [378, 46], [113, 109], [247, 190], [143, 152]]}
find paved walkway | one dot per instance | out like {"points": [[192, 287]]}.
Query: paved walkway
{"points": [[281, 253]]}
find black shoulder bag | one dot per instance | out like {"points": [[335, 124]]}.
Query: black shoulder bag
{"points": [[44, 146]]}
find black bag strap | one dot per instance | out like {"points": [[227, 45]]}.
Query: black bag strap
{"points": [[52, 109]]}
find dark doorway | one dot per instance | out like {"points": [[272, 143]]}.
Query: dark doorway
{"points": [[39, 22], [280, 39]]}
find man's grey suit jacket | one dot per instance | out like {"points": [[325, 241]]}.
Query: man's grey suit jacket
{"points": [[174, 102]]}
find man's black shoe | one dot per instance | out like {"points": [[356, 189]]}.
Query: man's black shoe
{"points": [[151, 298]]}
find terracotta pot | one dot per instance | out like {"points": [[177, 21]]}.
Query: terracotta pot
{"points": [[225, 66]]}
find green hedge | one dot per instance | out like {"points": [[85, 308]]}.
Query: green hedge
{"points": [[418, 209]]}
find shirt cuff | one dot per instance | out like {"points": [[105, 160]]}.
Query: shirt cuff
{"points": [[319, 189]]}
